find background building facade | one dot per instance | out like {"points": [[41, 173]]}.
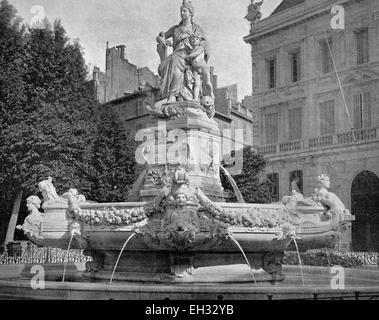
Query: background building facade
{"points": [[300, 122], [127, 89], [120, 77]]}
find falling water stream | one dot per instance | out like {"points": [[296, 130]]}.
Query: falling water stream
{"points": [[68, 251], [236, 190], [300, 264], [327, 256], [119, 256], [244, 255]]}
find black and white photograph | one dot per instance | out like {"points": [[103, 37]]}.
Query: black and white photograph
{"points": [[189, 150]]}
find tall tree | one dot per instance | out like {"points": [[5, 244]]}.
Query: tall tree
{"points": [[12, 100], [114, 165], [54, 130]]}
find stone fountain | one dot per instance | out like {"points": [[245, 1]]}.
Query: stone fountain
{"points": [[181, 223]]}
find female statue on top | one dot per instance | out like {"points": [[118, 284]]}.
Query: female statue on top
{"points": [[180, 72]]}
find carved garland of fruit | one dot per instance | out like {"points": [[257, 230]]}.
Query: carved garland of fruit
{"points": [[108, 216]]}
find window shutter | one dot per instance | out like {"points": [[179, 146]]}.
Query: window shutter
{"points": [[322, 118], [271, 128], [327, 63], [365, 46], [357, 111], [331, 117], [367, 109], [362, 46], [327, 118], [295, 124]]}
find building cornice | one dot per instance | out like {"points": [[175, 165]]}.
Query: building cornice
{"points": [[241, 115], [289, 19], [131, 96], [222, 116]]}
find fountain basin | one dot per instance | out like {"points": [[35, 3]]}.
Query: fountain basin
{"points": [[104, 228], [360, 283]]}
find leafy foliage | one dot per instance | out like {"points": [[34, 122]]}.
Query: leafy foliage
{"points": [[114, 165], [54, 135], [321, 259], [47, 115], [12, 96], [252, 189]]}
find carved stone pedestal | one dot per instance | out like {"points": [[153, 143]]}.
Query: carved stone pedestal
{"points": [[189, 141]]}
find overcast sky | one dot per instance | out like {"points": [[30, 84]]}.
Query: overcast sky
{"points": [[136, 24]]}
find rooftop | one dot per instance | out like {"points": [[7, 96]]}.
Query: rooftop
{"points": [[286, 4]]}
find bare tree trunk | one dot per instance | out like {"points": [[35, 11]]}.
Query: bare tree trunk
{"points": [[13, 220]]}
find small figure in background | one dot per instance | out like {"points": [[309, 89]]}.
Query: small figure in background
{"points": [[254, 13]]}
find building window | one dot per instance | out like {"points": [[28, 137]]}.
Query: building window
{"points": [[362, 110], [271, 71], [362, 46], [271, 125], [296, 181], [327, 122], [295, 123], [326, 58], [273, 179], [295, 65]]}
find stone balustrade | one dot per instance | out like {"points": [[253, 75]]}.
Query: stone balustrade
{"points": [[358, 135], [291, 146], [320, 142], [346, 138], [268, 149]]}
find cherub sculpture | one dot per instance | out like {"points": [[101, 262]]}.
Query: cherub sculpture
{"points": [[196, 54]]}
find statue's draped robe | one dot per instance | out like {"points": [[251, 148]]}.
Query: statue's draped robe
{"points": [[175, 73]]}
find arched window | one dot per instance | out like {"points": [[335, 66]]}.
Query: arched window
{"points": [[365, 208]]}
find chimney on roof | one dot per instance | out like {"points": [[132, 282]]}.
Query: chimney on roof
{"points": [[213, 78], [121, 49]]}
